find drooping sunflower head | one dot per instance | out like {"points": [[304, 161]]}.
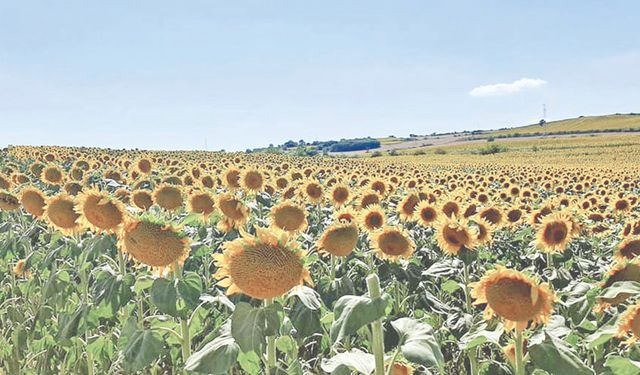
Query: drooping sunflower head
{"points": [[514, 297], [234, 211], [628, 249], [168, 197], [263, 266], [59, 212], [452, 235], [142, 199], [154, 243], [201, 202], [289, 216], [369, 198], [8, 201], [99, 213], [493, 215], [339, 239], [427, 214], [393, 243], [372, 218], [231, 178], [33, 200], [52, 175], [252, 180], [629, 323], [407, 207], [554, 232], [451, 209]]}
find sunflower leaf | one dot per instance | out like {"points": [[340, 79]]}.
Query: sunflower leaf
{"points": [[353, 313], [418, 343]]}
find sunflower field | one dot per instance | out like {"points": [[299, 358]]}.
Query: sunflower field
{"points": [[158, 262]]}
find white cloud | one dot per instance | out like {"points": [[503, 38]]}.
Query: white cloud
{"points": [[499, 89]]}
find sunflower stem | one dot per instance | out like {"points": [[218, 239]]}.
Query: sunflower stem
{"points": [[333, 267], [519, 365], [467, 295], [377, 343], [271, 344], [184, 324]]}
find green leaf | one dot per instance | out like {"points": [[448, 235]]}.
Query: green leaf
{"points": [[603, 334], [620, 287], [143, 347], [417, 342], [309, 297], [622, 366], [217, 357], [553, 356], [164, 296], [248, 326], [190, 289], [305, 320], [480, 335], [450, 286], [250, 362], [344, 363], [70, 323], [354, 312]]}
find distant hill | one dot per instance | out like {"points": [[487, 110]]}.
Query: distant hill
{"points": [[582, 124]]}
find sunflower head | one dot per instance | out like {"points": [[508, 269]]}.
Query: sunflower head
{"points": [[629, 323], [289, 217], [231, 178], [201, 202], [393, 243], [372, 218], [168, 197], [313, 191], [60, 213], [252, 180], [234, 211], [453, 235], [154, 243], [427, 214], [142, 199], [340, 195], [8, 201], [493, 215], [339, 239], [407, 207], [513, 297], [629, 248], [263, 266], [33, 201], [52, 175], [346, 214], [627, 271], [555, 232], [99, 212]]}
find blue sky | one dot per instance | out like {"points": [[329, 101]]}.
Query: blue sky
{"points": [[170, 74]]}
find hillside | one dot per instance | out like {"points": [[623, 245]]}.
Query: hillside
{"points": [[617, 122]]}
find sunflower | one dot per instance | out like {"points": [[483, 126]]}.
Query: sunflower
{"points": [[99, 212], [372, 218], [393, 243], [629, 248], [555, 232], [313, 191], [346, 214], [263, 266], [514, 297], [142, 199], [485, 231], [5, 182], [493, 215], [73, 188], [407, 207], [627, 271], [201, 202], [514, 216], [33, 201], [399, 368], [452, 235], [427, 214], [289, 217], [153, 243], [168, 197], [144, 165], [234, 211], [340, 195], [252, 180], [369, 198], [630, 322], [231, 178], [52, 175], [339, 239], [451, 209], [8, 201], [19, 269], [59, 212]]}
